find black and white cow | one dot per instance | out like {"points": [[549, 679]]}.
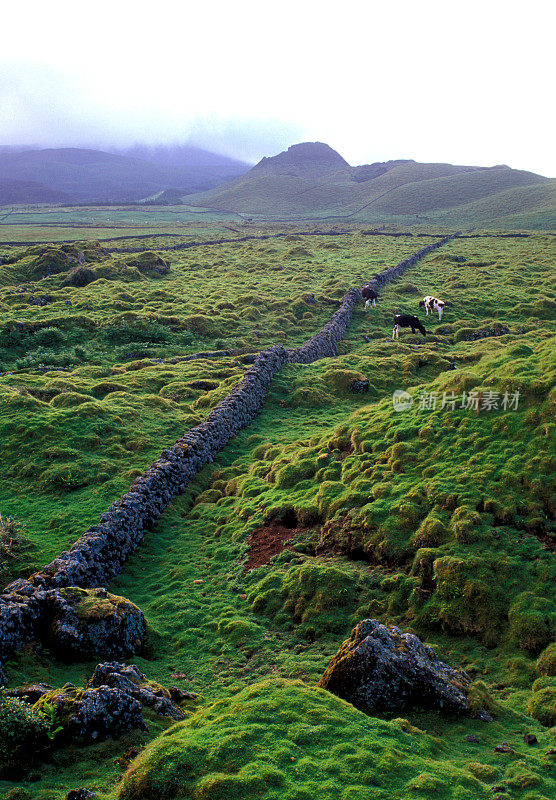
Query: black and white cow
{"points": [[433, 304], [406, 321], [369, 296]]}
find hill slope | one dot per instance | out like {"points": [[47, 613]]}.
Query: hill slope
{"points": [[29, 192], [94, 175], [311, 180]]}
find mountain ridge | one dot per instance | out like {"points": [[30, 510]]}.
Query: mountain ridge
{"points": [[312, 181], [84, 174]]}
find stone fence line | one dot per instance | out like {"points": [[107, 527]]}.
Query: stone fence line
{"points": [[100, 553]]}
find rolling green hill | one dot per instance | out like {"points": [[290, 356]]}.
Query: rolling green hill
{"points": [[312, 181]]}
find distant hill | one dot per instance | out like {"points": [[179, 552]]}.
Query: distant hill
{"points": [[17, 192], [84, 175], [182, 156], [312, 181]]}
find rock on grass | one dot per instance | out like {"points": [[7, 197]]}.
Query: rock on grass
{"points": [[92, 622], [383, 669], [111, 704]]}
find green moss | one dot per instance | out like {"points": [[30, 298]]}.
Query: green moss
{"points": [[546, 663], [532, 622], [542, 702], [283, 739], [379, 495]]}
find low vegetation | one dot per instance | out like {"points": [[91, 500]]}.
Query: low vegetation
{"points": [[438, 518]]}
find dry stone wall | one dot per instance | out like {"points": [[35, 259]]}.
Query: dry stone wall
{"points": [[100, 553]]}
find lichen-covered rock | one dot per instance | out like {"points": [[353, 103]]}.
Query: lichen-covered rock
{"points": [[130, 680], [381, 668], [111, 704], [91, 622], [90, 715]]}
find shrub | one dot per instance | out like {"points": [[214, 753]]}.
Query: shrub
{"points": [[16, 550], [23, 731], [48, 337]]}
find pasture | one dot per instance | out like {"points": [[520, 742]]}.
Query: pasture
{"points": [[333, 506]]}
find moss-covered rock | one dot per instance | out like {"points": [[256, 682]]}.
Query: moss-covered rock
{"points": [[149, 262], [380, 668], [546, 663], [469, 597], [51, 259], [85, 623], [532, 622]]}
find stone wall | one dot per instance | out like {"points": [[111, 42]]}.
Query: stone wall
{"points": [[100, 553]]}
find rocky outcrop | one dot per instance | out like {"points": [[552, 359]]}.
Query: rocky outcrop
{"points": [[151, 695], [380, 668], [111, 704], [73, 621], [100, 553], [84, 623]]}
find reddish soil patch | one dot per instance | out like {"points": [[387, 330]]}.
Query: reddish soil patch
{"points": [[266, 542]]}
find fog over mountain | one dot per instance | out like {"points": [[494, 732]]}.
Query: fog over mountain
{"points": [[376, 82]]}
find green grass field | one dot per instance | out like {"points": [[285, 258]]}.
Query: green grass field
{"points": [[439, 518]]}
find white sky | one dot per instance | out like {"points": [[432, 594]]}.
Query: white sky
{"points": [[469, 82]]}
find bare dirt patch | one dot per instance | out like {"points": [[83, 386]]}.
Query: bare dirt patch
{"points": [[266, 542]]}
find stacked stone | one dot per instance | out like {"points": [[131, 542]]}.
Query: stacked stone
{"points": [[100, 553], [323, 344]]}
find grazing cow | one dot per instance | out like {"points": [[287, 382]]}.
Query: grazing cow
{"points": [[406, 321], [433, 304], [369, 295]]}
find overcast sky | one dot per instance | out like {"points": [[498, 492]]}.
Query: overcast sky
{"points": [[467, 83]]}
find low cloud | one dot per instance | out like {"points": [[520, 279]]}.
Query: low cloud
{"points": [[48, 108]]}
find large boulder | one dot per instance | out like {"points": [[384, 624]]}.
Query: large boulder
{"points": [[380, 668], [84, 623]]}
